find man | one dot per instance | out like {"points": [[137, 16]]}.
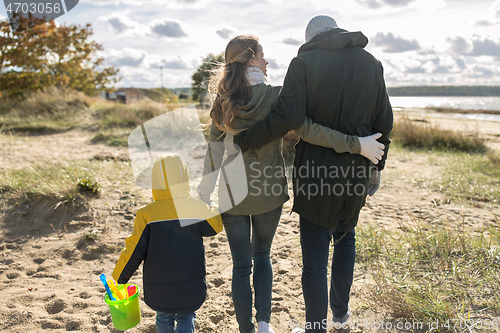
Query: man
{"points": [[338, 84]]}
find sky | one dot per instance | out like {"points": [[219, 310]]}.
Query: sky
{"points": [[419, 42]]}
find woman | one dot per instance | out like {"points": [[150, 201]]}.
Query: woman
{"points": [[242, 97]]}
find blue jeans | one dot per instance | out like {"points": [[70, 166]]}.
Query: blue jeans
{"points": [[315, 242], [165, 322], [262, 228]]}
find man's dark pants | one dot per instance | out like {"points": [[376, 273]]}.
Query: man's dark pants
{"points": [[315, 241]]}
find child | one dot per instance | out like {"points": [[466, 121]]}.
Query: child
{"points": [[167, 235]]}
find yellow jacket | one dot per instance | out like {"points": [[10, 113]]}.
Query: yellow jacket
{"points": [[168, 237]]}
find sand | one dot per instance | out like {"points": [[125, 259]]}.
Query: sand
{"points": [[51, 256]]}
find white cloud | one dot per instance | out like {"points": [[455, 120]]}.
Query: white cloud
{"points": [[491, 17], [168, 28], [486, 47], [224, 33], [427, 6], [121, 24], [495, 9], [369, 7], [344, 7], [292, 41], [415, 47], [460, 45], [482, 71], [375, 4], [438, 69], [150, 4], [475, 46], [171, 63], [392, 44], [125, 57]]}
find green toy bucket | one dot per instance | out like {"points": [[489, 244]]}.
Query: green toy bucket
{"points": [[125, 313]]}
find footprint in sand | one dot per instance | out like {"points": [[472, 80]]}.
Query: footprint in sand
{"points": [[84, 295], [73, 326], [55, 306], [217, 282], [50, 325]]}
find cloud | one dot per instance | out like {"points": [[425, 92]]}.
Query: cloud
{"points": [[495, 9], [492, 16], [125, 57], [484, 23], [169, 3], [168, 28], [174, 63], [393, 44], [224, 33], [413, 70], [459, 45], [121, 24], [476, 46], [118, 25], [481, 71], [273, 64], [292, 41], [375, 4], [485, 47], [416, 65], [461, 63]]}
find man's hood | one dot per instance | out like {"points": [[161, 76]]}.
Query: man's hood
{"points": [[335, 40], [170, 178]]}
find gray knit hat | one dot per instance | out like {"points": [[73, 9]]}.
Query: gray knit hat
{"points": [[319, 24]]}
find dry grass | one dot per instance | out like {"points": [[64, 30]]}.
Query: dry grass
{"points": [[430, 272], [116, 115], [51, 110], [412, 134], [59, 181]]}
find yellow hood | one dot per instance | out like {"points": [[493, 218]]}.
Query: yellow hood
{"points": [[170, 178]]}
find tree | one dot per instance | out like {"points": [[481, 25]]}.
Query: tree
{"points": [[202, 75], [35, 54]]}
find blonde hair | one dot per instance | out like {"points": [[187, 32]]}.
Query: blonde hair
{"points": [[228, 86]]}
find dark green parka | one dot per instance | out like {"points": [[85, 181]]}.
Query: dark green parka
{"points": [[338, 84]]}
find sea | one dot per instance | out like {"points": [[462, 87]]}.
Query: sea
{"points": [[478, 103]]}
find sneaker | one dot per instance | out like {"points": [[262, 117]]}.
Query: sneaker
{"points": [[264, 327], [341, 320], [298, 330]]}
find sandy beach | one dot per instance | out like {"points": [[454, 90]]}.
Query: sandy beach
{"points": [[51, 255]]}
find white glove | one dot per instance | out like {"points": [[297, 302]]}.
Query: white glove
{"points": [[374, 182], [231, 148], [371, 148]]}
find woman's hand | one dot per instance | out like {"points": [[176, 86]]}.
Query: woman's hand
{"points": [[371, 148]]}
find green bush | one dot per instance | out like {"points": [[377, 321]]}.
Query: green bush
{"points": [[87, 185]]}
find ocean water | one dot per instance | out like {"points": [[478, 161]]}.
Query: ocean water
{"points": [[419, 103]]}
